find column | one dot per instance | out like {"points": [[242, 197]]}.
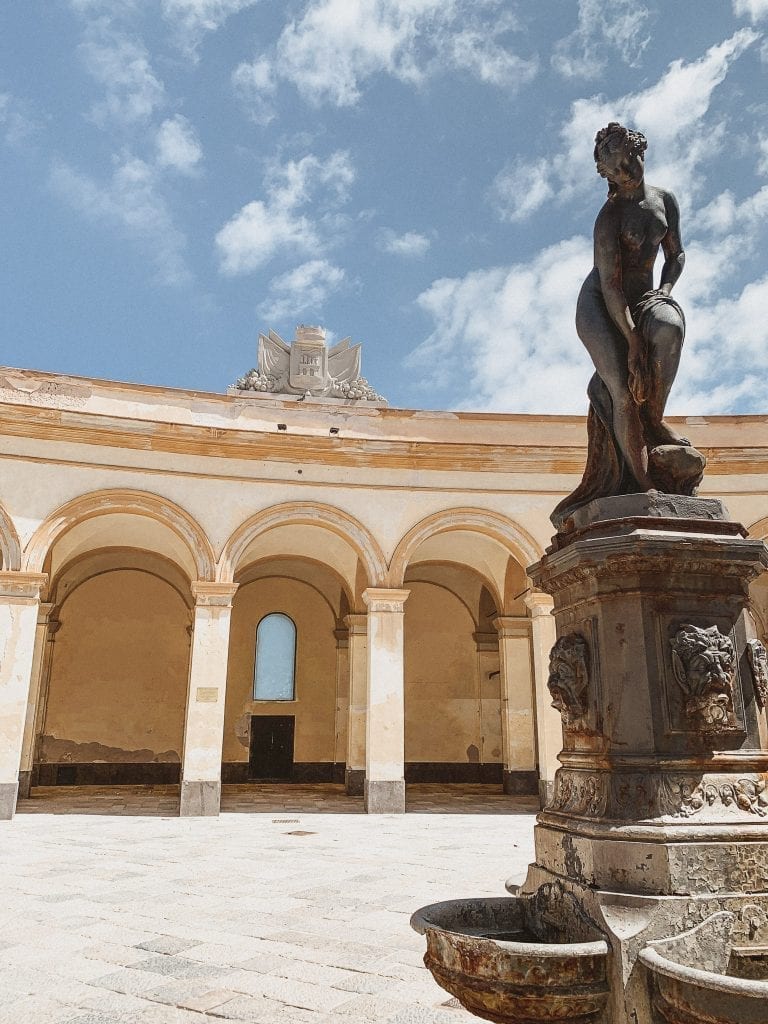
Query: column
{"points": [[518, 729], [358, 703], [385, 731], [46, 627], [206, 693], [19, 603], [341, 714], [549, 727], [489, 705]]}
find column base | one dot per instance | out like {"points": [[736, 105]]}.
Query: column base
{"points": [[8, 796], [546, 791], [354, 781], [25, 785], [200, 799], [384, 796], [520, 783]]}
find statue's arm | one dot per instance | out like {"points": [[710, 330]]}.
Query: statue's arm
{"points": [[608, 263], [674, 257]]}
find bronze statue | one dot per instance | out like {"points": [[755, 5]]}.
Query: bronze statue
{"points": [[633, 333]]}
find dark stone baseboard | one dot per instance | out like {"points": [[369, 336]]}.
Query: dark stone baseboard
{"points": [[448, 771], [25, 785], [150, 773], [354, 782], [237, 773], [521, 783]]}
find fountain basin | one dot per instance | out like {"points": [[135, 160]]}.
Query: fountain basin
{"points": [[486, 953], [688, 979]]}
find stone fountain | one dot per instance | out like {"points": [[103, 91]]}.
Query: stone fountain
{"points": [[648, 899]]}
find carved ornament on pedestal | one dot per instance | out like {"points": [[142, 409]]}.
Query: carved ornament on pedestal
{"points": [[704, 663], [757, 656], [569, 678]]}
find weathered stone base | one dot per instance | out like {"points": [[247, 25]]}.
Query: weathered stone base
{"points": [[354, 781], [546, 791], [630, 922], [384, 796], [519, 783], [25, 785], [200, 799], [8, 794]]}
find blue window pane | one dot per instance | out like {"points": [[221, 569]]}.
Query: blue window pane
{"points": [[275, 658]]}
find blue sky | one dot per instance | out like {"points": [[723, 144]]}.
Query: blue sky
{"points": [[181, 174]]}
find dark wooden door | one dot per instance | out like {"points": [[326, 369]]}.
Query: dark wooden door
{"points": [[271, 750]]}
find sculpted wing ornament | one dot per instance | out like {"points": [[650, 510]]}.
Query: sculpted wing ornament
{"points": [[344, 361], [274, 355]]}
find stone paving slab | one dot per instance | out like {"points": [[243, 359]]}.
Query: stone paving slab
{"points": [[115, 911]]}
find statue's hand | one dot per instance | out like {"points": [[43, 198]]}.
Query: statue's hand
{"points": [[638, 383]]}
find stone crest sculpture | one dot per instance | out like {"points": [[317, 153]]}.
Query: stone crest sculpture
{"points": [[633, 333], [569, 677], [757, 656], [308, 366], [704, 663]]}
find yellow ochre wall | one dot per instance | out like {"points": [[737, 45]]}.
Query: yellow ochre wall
{"points": [[314, 707], [118, 673]]}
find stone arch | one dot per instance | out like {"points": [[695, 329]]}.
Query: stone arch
{"points": [[759, 529], [10, 548], [517, 541], [123, 502], [304, 513]]}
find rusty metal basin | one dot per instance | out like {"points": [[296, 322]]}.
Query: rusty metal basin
{"points": [[485, 953], [689, 983]]}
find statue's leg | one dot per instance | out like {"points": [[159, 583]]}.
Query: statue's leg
{"points": [[608, 349], [664, 332]]}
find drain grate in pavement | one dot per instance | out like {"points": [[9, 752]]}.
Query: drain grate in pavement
{"points": [[298, 833], [285, 821], [452, 1004]]}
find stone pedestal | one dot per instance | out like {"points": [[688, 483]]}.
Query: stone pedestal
{"points": [[659, 816]]}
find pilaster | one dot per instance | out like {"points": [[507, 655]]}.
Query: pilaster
{"points": [[517, 718], [358, 703], [385, 730], [37, 695], [206, 694], [549, 730]]}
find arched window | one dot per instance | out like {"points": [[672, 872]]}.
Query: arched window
{"points": [[274, 676]]}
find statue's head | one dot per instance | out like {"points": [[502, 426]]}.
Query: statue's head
{"points": [[619, 156]]}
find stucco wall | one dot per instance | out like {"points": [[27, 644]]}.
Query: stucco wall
{"points": [[448, 716], [314, 707], [118, 673]]}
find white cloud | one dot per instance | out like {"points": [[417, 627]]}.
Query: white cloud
{"points": [[410, 244], [192, 19], [670, 112], [121, 64], [265, 227], [508, 333], [335, 46], [253, 85], [723, 213], [16, 122], [178, 146], [620, 24], [520, 188], [301, 290], [754, 9], [131, 200]]}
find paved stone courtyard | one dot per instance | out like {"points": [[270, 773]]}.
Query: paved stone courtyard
{"points": [[291, 907]]}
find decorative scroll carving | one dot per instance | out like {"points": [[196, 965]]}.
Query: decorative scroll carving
{"points": [[704, 663], [579, 793], [757, 656], [569, 677]]}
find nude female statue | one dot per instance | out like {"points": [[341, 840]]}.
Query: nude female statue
{"points": [[633, 333]]}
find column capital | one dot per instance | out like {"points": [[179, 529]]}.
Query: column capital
{"points": [[380, 599], [510, 626], [21, 587], [357, 624], [213, 594], [539, 603], [342, 638]]}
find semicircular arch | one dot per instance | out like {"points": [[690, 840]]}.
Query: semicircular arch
{"points": [[303, 513], [10, 546], [123, 503], [517, 541]]}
